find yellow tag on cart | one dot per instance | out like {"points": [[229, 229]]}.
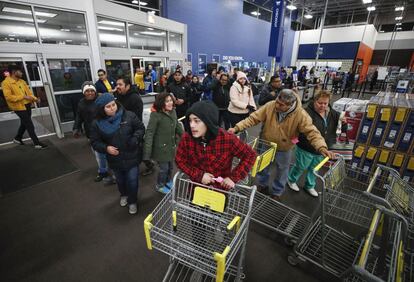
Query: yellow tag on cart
{"points": [[209, 199]]}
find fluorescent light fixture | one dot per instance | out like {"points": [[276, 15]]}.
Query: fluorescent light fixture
{"points": [[152, 33], [68, 40], [150, 28], [28, 12], [134, 2], [398, 23], [371, 8], [399, 28], [308, 16], [367, 1], [398, 18], [400, 8], [291, 7], [381, 31], [112, 23], [12, 35], [19, 19], [109, 28], [142, 3], [255, 13], [65, 29]]}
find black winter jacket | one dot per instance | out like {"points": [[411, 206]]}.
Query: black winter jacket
{"points": [[131, 101], [328, 131], [128, 139], [265, 95], [180, 90], [221, 95], [85, 115]]}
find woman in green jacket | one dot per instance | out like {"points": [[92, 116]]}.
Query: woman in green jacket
{"points": [[161, 139]]}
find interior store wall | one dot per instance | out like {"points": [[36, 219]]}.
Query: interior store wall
{"points": [[220, 27]]}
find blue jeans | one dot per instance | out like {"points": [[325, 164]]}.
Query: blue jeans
{"points": [[102, 163], [127, 180], [282, 161], [165, 173]]}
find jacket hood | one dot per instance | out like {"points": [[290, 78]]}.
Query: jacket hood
{"points": [[208, 112]]}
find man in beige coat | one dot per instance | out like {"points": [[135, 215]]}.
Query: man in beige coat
{"points": [[283, 120]]}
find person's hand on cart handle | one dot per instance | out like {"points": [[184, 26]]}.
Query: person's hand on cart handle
{"points": [[326, 153], [231, 130], [207, 178], [227, 183]]}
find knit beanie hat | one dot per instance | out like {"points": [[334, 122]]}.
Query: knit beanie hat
{"points": [[241, 74], [88, 85], [208, 112], [104, 99]]}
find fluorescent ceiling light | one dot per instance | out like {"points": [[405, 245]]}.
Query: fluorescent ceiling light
{"points": [[371, 8], [28, 12], [19, 19], [150, 28], [308, 16], [112, 23], [398, 24], [65, 29], [367, 1], [399, 28], [381, 31], [255, 13], [398, 18], [152, 33], [109, 28], [142, 3], [291, 7], [134, 2], [400, 8]]}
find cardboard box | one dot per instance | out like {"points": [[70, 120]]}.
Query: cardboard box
{"points": [[380, 126], [394, 131], [407, 135], [340, 105]]}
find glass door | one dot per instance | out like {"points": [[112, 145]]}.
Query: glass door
{"points": [[41, 114], [158, 64]]}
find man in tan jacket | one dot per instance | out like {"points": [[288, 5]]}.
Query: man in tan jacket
{"points": [[283, 120]]}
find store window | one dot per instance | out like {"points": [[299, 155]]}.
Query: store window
{"points": [[175, 42], [67, 105], [112, 33], [61, 27], [17, 23], [147, 38], [117, 68], [67, 74], [257, 12]]}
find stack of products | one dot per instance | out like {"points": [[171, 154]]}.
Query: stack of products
{"points": [[386, 135]]}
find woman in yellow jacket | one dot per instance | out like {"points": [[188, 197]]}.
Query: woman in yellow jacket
{"points": [[139, 80], [19, 98]]}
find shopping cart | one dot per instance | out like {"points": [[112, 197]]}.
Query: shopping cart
{"points": [[352, 235], [202, 228]]}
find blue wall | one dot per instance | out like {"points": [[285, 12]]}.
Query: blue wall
{"points": [[346, 50], [220, 27]]}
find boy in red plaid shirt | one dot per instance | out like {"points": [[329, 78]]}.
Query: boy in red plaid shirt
{"points": [[207, 151]]}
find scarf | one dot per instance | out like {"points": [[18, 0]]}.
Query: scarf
{"points": [[282, 116], [110, 125]]}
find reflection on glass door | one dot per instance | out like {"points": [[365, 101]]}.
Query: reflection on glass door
{"points": [[117, 68], [41, 116]]}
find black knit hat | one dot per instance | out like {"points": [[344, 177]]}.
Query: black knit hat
{"points": [[208, 112]]}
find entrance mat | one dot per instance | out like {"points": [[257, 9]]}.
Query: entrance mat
{"points": [[24, 166]]}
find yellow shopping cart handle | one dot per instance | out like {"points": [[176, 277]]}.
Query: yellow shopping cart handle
{"points": [[318, 167]]}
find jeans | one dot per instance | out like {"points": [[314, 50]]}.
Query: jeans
{"points": [[127, 180], [165, 173], [26, 124], [304, 161], [224, 118], [102, 163], [282, 161]]}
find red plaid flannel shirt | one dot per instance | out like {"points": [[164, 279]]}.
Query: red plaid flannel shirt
{"points": [[195, 159]]}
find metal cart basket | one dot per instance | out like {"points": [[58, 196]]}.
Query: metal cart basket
{"points": [[202, 227]]}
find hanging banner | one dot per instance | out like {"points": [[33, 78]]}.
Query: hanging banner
{"points": [[276, 31]]}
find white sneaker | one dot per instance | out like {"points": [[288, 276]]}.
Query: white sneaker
{"points": [[124, 201], [312, 192], [293, 186], [133, 208]]}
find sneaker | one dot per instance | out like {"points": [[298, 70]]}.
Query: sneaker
{"points": [[169, 184], [101, 176], [124, 201], [162, 189], [312, 192], [18, 141], [276, 198], [293, 186], [40, 146], [264, 189], [110, 179], [133, 208]]}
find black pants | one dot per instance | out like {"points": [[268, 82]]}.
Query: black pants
{"points": [[236, 118], [26, 124], [224, 118]]}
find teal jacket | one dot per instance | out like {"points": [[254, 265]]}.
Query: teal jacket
{"points": [[162, 136]]}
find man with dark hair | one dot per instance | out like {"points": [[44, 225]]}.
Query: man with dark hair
{"points": [[104, 84], [181, 92], [221, 97], [208, 82], [128, 97], [19, 98], [270, 91]]}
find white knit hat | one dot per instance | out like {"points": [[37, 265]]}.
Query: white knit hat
{"points": [[88, 85]]}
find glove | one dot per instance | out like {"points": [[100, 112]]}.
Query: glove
{"points": [[250, 108]]}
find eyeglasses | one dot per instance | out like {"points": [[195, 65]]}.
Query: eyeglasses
{"points": [[101, 74]]}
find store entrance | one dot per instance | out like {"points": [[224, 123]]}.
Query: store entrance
{"points": [[41, 115], [158, 64]]}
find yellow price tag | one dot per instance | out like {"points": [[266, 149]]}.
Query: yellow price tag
{"points": [[210, 199]]}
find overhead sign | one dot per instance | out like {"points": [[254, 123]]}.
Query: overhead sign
{"points": [[276, 31], [233, 58]]}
